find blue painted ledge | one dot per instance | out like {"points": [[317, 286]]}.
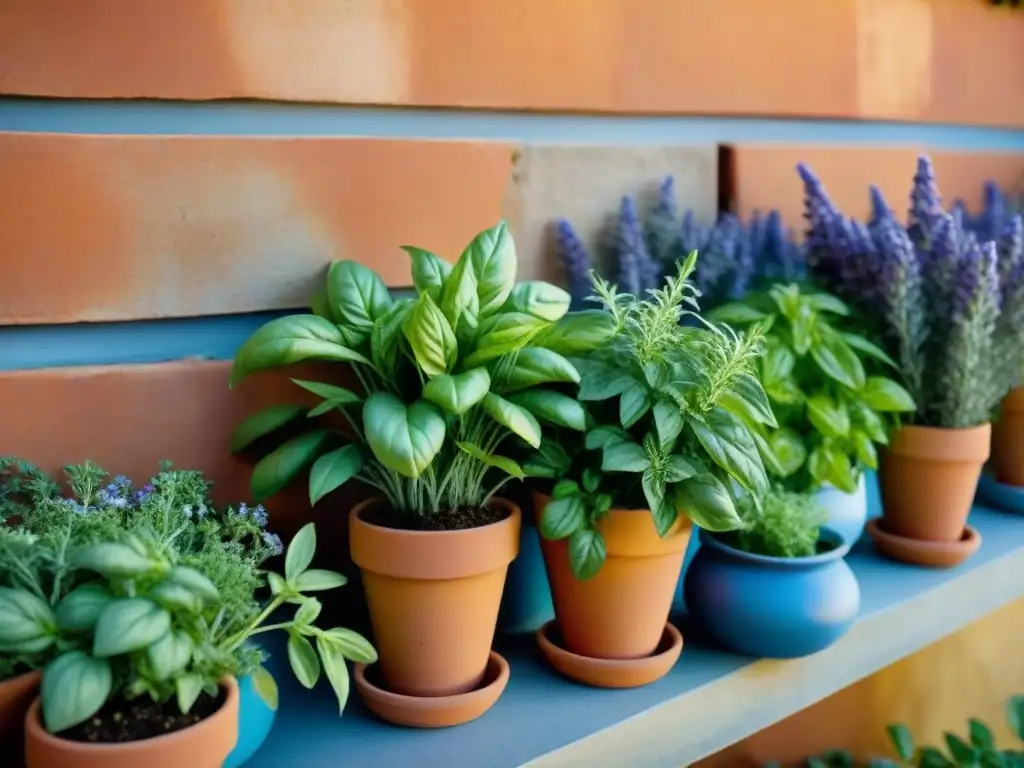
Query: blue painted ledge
{"points": [[710, 700]]}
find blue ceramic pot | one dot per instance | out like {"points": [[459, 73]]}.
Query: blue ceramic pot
{"points": [[772, 607], [847, 512], [255, 718], [526, 602]]}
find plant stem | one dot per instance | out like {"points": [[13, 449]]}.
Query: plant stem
{"points": [[242, 635]]}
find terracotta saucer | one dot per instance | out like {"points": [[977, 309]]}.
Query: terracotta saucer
{"points": [[1009, 498], [433, 711], [611, 673], [932, 554]]}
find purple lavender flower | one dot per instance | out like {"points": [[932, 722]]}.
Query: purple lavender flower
{"points": [[692, 236], [187, 511], [662, 227], [74, 506], [243, 509], [273, 541], [1010, 251], [637, 270], [144, 493], [992, 221], [259, 514], [576, 261], [819, 209], [925, 204]]}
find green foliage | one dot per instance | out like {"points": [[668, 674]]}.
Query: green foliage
{"points": [[118, 592], [659, 434], [831, 411], [788, 526], [445, 378], [978, 750]]}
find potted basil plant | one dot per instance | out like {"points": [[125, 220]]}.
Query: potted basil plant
{"points": [[149, 649], [831, 411], [442, 379], [666, 445]]}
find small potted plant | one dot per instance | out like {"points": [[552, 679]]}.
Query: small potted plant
{"points": [[932, 291], [444, 379], [149, 649], [778, 587], [664, 446], [831, 412]]}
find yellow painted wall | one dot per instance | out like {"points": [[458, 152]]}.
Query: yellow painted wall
{"points": [[968, 674]]}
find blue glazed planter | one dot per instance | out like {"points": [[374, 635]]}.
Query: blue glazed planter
{"points": [[254, 721], [847, 512], [778, 608], [526, 603], [1009, 498]]}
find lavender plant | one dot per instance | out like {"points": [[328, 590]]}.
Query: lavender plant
{"points": [[734, 257], [942, 303]]}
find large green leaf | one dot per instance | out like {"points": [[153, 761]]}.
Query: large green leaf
{"points": [[428, 271], [268, 420], [668, 421], [300, 552], [587, 553], [75, 687], [493, 255], [633, 404], [624, 457], [866, 347], [830, 465], [602, 381], [80, 609], [561, 518], [729, 444], [333, 660], [837, 360], [320, 305], [386, 336], [540, 299], [513, 417], [457, 394], [128, 624], [503, 334], [403, 439], [170, 654], [535, 365], [871, 423], [505, 464], [303, 660], [577, 333], [333, 470], [735, 313], [459, 301], [278, 468], [552, 407], [788, 449], [27, 624], [886, 395], [430, 337], [707, 502], [830, 418], [747, 399], [357, 294], [287, 340], [777, 364]]}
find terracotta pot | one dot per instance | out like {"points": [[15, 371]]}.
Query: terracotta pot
{"points": [[1008, 440], [16, 695], [434, 598], [621, 612], [203, 745], [928, 478]]}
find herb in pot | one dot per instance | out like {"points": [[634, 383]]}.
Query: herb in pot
{"points": [[787, 526], [444, 378], [831, 413], [661, 409]]}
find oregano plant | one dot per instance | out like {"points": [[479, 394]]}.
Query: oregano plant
{"points": [[439, 380], [663, 408]]}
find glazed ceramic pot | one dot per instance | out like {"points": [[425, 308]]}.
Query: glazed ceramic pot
{"points": [[526, 604], [847, 512], [621, 612], [255, 718], [433, 598], [928, 479], [772, 607], [16, 695], [203, 745], [1008, 440]]}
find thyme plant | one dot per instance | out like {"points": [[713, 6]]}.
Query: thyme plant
{"points": [[443, 378], [659, 404], [788, 526]]}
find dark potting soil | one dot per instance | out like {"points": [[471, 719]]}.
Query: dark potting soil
{"points": [[448, 520], [123, 721]]}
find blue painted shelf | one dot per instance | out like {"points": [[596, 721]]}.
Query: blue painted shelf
{"points": [[711, 698]]}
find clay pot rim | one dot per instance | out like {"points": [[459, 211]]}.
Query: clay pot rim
{"points": [[841, 549], [943, 444], [961, 549], [549, 646], [496, 677], [1014, 400], [21, 678], [34, 726], [508, 506]]}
